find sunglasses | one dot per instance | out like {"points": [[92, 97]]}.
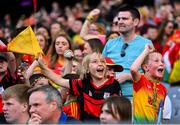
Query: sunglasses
{"points": [[123, 53]]}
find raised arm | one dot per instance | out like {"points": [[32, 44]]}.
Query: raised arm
{"points": [[92, 17], [51, 75], [137, 63], [31, 68]]}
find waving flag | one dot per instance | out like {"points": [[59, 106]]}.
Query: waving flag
{"points": [[26, 43]]}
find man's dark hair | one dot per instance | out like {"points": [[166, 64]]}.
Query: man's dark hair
{"points": [[125, 7]]}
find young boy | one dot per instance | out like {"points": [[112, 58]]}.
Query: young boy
{"points": [[147, 89], [112, 67]]}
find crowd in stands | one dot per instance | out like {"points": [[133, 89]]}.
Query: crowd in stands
{"points": [[113, 64]]}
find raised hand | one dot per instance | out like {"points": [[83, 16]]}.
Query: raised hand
{"points": [[41, 62], [94, 13], [149, 48]]}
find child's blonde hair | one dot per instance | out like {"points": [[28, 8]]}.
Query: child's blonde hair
{"points": [[85, 73], [85, 66]]}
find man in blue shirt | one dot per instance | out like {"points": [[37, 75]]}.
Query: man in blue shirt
{"points": [[127, 47]]}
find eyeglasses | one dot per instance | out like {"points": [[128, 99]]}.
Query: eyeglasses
{"points": [[123, 53]]}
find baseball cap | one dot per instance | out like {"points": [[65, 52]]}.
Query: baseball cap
{"points": [[111, 63], [3, 57]]}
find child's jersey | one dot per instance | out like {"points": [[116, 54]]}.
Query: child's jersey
{"points": [[146, 100], [72, 109], [94, 96]]}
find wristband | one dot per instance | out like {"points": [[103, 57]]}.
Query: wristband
{"points": [[90, 19]]}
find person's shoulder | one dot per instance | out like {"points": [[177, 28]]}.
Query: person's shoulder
{"points": [[144, 38], [163, 87], [114, 40]]}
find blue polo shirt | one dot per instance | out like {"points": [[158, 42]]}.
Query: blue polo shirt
{"points": [[135, 47]]}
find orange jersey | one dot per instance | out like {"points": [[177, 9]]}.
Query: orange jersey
{"points": [[146, 99]]}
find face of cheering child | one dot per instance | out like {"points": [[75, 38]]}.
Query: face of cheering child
{"points": [[155, 65], [97, 66]]}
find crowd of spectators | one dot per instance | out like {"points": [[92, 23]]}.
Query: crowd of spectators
{"points": [[107, 64]]}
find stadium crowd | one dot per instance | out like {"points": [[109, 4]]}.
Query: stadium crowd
{"points": [[113, 64]]}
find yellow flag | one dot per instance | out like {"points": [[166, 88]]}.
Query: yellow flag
{"points": [[25, 42]]}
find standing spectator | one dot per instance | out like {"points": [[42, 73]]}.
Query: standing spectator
{"points": [[148, 91], [126, 48], [165, 32], [93, 84], [55, 29], [90, 29], [43, 42], [76, 28], [56, 60], [15, 104], [114, 31], [152, 33], [44, 30]]}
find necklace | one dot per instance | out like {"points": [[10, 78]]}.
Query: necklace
{"points": [[153, 99]]}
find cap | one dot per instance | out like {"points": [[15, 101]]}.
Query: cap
{"points": [[111, 63], [3, 57]]}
